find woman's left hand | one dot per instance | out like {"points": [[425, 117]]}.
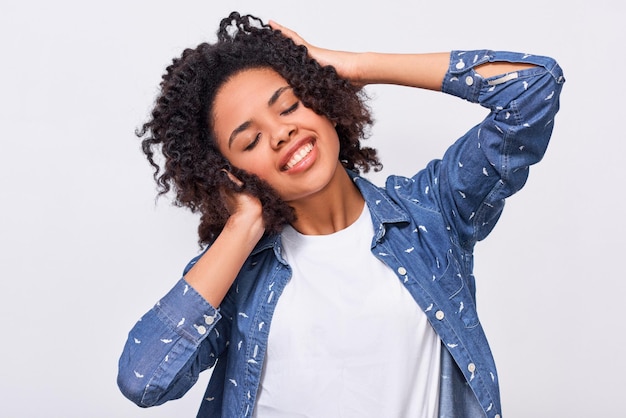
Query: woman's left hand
{"points": [[425, 70], [346, 63]]}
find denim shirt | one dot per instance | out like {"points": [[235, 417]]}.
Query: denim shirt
{"points": [[426, 228]]}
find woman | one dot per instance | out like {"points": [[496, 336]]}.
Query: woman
{"points": [[320, 294]]}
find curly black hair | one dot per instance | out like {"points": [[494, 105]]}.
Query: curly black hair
{"points": [[180, 127]]}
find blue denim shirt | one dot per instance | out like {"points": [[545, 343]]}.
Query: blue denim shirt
{"points": [[426, 228]]}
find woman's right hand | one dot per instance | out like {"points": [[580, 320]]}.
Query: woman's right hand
{"points": [[214, 272], [245, 210]]}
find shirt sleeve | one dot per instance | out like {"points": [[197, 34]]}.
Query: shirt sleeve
{"points": [[490, 162], [170, 345]]}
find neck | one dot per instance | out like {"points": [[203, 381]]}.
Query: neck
{"points": [[332, 209]]}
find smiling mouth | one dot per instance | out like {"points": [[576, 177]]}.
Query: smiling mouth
{"points": [[299, 156]]}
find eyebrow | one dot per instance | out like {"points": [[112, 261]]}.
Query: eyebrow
{"points": [[277, 94], [272, 100]]}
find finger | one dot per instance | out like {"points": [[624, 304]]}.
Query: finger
{"points": [[274, 25], [232, 178], [287, 32]]}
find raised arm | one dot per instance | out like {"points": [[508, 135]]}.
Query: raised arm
{"points": [[173, 342], [490, 162], [214, 273], [412, 70]]}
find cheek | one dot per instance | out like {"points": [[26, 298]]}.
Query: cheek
{"points": [[255, 164]]}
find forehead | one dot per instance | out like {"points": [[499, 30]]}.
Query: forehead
{"points": [[249, 85], [242, 97]]}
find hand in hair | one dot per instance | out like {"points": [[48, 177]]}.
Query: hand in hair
{"points": [[214, 273], [345, 63], [241, 204], [426, 70]]}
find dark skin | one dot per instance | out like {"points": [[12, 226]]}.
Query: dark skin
{"points": [[328, 201]]}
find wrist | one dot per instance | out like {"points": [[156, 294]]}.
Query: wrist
{"points": [[246, 224]]}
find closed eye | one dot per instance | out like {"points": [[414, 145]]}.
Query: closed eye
{"points": [[254, 142], [290, 109]]}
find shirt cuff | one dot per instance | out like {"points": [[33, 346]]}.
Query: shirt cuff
{"points": [[187, 312], [461, 80]]}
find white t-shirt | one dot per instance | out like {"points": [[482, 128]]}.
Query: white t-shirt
{"points": [[347, 339]]}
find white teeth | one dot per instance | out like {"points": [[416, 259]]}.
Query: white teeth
{"points": [[299, 155]]}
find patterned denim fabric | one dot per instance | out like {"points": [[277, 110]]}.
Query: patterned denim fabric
{"points": [[427, 226]]}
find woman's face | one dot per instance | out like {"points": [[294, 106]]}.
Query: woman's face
{"points": [[264, 129]]}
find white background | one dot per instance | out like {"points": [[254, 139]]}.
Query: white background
{"points": [[84, 249]]}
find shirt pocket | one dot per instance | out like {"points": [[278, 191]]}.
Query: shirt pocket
{"points": [[460, 300]]}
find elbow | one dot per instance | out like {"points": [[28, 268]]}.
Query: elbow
{"points": [[555, 72], [145, 391], [135, 384], [132, 387]]}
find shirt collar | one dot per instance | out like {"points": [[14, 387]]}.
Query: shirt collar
{"points": [[382, 209]]}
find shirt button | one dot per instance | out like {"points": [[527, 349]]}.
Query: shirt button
{"points": [[497, 416], [209, 319], [401, 271], [469, 80], [439, 315], [471, 367]]}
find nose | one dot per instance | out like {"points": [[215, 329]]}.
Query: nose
{"points": [[282, 133]]}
